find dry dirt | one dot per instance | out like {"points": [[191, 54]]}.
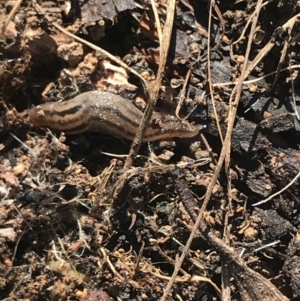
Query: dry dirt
{"points": [[76, 225]]}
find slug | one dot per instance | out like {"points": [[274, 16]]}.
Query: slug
{"points": [[107, 113]]}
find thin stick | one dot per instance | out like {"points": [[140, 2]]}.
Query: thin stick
{"points": [[225, 275], [167, 31], [11, 14], [214, 5], [269, 46], [211, 90], [250, 81], [106, 258], [293, 92], [237, 92], [246, 26], [157, 22], [182, 92], [278, 192]]}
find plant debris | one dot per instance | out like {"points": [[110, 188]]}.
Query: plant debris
{"points": [[93, 217]]}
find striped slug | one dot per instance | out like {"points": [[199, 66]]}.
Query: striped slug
{"points": [[107, 113]]}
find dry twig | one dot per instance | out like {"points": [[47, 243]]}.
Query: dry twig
{"points": [[164, 48], [157, 21], [211, 90], [252, 285], [225, 150], [278, 192], [11, 14]]}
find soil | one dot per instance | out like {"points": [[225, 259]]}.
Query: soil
{"points": [[76, 224]]}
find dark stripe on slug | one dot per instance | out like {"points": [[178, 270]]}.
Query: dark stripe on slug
{"points": [[65, 125], [63, 112], [78, 129], [114, 129]]}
